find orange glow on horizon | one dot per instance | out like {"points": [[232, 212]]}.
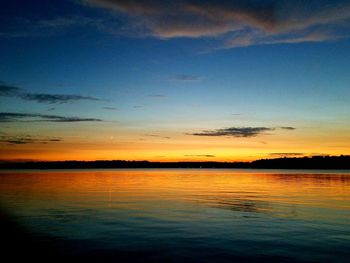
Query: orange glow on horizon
{"points": [[179, 147]]}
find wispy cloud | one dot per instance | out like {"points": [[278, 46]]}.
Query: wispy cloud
{"points": [[27, 139], [245, 39], [185, 78], [191, 18], [238, 23], [8, 91], [11, 91], [236, 131], [286, 154], [200, 155], [157, 136], [110, 108], [287, 128], [54, 98], [32, 117]]}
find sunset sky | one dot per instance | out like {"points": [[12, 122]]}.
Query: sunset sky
{"points": [[174, 80]]}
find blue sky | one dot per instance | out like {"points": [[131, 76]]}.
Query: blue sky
{"points": [[177, 68]]}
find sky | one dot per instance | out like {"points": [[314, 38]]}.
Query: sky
{"points": [[174, 80]]}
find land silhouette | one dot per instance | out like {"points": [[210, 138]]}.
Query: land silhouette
{"points": [[313, 162]]}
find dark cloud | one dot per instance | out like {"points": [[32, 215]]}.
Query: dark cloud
{"points": [[184, 77], [55, 140], [7, 91], [70, 119], [240, 22], [286, 154], [157, 136], [18, 117], [16, 141], [235, 132], [110, 108], [11, 91], [287, 128], [54, 98], [239, 131], [200, 155], [27, 139]]}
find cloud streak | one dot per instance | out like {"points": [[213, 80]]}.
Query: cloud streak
{"points": [[185, 78], [7, 90], [200, 155], [235, 132], [244, 132], [239, 23], [110, 108], [286, 154], [287, 128], [11, 91], [54, 98], [233, 24], [32, 117], [157, 136], [27, 139]]}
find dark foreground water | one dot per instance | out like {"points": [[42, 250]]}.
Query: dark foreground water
{"points": [[177, 215]]}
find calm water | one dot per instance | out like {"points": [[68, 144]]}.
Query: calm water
{"points": [[184, 215]]}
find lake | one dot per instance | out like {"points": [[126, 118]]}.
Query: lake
{"points": [[178, 215]]}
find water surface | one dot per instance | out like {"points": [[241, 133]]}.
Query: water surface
{"points": [[184, 215]]}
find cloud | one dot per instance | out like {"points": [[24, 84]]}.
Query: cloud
{"points": [[157, 136], [185, 77], [168, 19], [239, 23], [29, 117], [245, 39], [7, 91], [27, 139], [200, 155], [54, 98], [237, 131], [287, 128], [286, 154], [110, 108], [11, 91]]}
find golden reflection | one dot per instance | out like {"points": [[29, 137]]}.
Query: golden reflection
{"points": [[279, 194]]}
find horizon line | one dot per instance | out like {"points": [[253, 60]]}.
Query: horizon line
{"points": [[120, 160]]}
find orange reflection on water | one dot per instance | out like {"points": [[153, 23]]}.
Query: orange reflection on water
{"points": [[302, 194]]}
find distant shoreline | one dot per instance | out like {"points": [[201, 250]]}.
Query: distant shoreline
{"points": [[315, 162]]}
